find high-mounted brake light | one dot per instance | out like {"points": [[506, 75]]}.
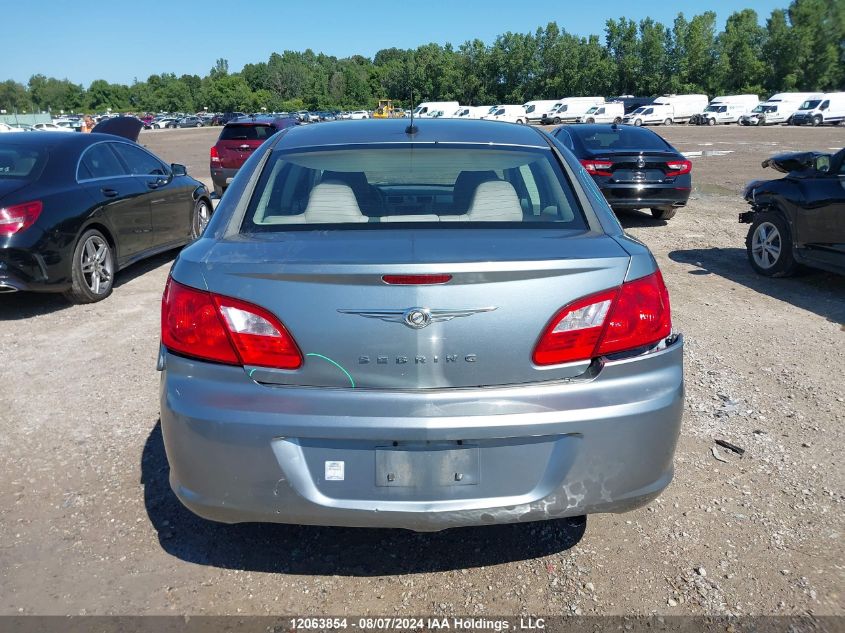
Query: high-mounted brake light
{"points": [[598, 167], [634, 315], [215, 157], [213, 327], [679, 167], [19, 217], [415, 280]]}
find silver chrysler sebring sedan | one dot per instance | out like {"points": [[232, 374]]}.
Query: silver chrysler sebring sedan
{"points": [[417, 326]]}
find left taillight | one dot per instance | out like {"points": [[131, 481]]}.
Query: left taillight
{"points": [[19, 217], [598, 167], [214, 154], [222, 329], [678, 167], [634, 315]]}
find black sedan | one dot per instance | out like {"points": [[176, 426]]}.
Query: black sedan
{"points": [[76, 208], [634, 167], [800, 218]]}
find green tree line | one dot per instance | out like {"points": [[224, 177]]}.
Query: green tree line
{"points": [[799, 48]]}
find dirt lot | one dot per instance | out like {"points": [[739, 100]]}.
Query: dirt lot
{"points": [[89, 525]]}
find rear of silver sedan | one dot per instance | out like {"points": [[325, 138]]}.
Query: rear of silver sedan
{"points": [[421, 331]]}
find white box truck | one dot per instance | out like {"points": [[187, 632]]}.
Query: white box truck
{"points": [[427, 108], [654, 114], [472, 112], [534, 110], [829, 108], [512, 113], [684, 107], [726, 109], [604, 113], [778, 108], [569, 109]]}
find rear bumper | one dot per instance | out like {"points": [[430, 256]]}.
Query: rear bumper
{"points": [[21, 269], [222, 176], [240, 451], [644, 196]]}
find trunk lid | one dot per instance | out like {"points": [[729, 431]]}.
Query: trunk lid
{"points": [[237, 142], [327, 288], [639, 167]]}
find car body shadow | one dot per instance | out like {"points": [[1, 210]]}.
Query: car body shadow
{"points": [[630, 219], [310, 550], [25, 305], [815, 291]]}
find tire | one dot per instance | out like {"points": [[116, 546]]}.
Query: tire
{"points": [[198, 125], [769, 245], [711, 121], [591, 120], [520, 122], [556, 120], [200, 217], [617, 120], [667, 122], [817, 121], [663, 213], [92, 269], [638, 122]]}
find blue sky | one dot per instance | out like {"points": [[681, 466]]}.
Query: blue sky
{"points": [[119, 41]]}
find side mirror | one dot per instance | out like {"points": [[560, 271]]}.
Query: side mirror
{"points": [[822, 163], [178, 170]]}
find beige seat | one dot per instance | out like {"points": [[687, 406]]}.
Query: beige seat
{"points": [[495, 201], [332, 202]]}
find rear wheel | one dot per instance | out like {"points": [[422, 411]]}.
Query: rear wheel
{"points": [[520, 121], [769, 245], [617, 120], [667, 122], [663, 213], [92, 269]]}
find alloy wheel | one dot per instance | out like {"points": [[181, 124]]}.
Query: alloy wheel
{"points": [[96, 265], [766, 245]]}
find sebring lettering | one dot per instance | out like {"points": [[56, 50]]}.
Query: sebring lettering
{"points": [[416, 360]]}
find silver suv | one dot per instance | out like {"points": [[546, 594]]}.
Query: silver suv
{"points": [[420, 326]]}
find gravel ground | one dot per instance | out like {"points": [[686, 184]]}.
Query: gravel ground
{"points": [[88, 524]]}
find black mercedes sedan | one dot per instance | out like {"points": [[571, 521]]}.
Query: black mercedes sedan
{"points": [[798, 219], [76, 208], [634, 167]]}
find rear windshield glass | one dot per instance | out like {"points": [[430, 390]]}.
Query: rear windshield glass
{"points": [[21, 163], [444, 185], [623, 137], [248, 132]]}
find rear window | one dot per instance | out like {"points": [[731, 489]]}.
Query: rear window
{"points": [[21, 163], [446, 186], [622, 137], [248, 132]]}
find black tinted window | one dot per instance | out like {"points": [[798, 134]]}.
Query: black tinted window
{"points": [[140, 163], [622, 137], [99, 161], [247, 132], [20, 162]]}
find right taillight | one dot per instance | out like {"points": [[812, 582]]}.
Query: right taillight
{"points": [[215, 157], [679, 167], [632, 316], [213, 327], [19, 217]]}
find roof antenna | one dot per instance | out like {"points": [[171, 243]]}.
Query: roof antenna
{"points": [[412, 129]]}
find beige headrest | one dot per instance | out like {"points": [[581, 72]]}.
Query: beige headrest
{"points": [[495, 201], [333, 202]]}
